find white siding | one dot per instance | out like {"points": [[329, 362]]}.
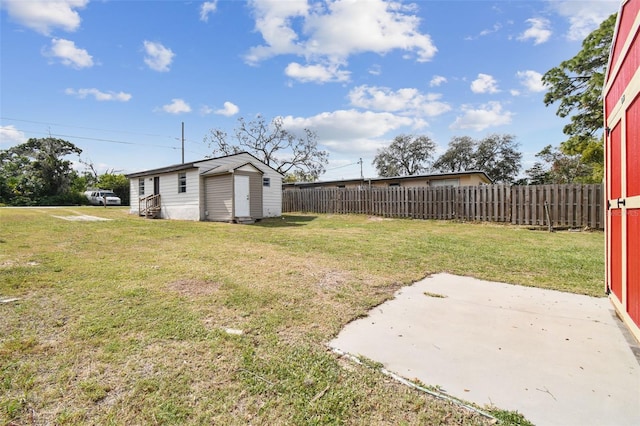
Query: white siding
{"points": [[272, 195], [133, 196], [177, 205]]}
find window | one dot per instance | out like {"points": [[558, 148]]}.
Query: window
{"points": [[141, 186], [182, 182], [266, 181], [446, 182], [342, 186], [394, 184]]}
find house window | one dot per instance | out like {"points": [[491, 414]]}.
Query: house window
{"points": [[182, 182], [141, 186], [342, 186], [394, 184], [446, 182], [266, 181]]}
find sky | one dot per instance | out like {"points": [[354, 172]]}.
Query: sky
{"points": [[118, 78]]}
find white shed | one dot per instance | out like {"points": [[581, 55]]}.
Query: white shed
{"points": [[234, 188]]}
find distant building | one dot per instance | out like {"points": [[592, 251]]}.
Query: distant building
{"points": [[470, 178]]}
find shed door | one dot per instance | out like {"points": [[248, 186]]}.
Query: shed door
{"points": [[623, 202], [241, 196]]}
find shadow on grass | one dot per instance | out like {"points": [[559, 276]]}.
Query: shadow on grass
{"points": [[285, 221]]}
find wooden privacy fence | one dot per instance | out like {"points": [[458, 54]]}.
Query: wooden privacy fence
{"points": [[556, 205]]}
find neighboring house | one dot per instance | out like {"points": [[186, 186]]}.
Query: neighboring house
{"points": [[234, 188], [622, 167], [471, 178]]}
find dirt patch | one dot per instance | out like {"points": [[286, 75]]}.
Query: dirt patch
{"points": [[81, 218], [11, 263], [194, 288], [377, 219], [332, 279]]}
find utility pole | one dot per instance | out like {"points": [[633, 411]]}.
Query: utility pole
{"points": [[183, 142], [361, 175]]}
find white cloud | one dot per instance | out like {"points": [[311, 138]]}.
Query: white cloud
{"points": [[158, 57], [514, 92], [485, 83], [9, 134], [273, 22], [496, 27], [343, 126], [99, 95], [532, 80], [177, 106], [69, 54], [488, 115], [375, 70], [351, 134], [228, 110], [583, 16], [330, 32], [44, 15], [407, 100], [207, 8], [437, 81], [538, 31], [316, 73]]}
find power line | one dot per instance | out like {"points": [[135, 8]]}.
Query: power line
{"points": [[49, 133], [85, 128], [341, 167], [103, 140]]}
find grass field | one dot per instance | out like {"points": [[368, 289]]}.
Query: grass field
{"points": [[127, 321]]}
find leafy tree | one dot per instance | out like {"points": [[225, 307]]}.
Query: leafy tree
{"points": [[458, 157], [496, 155], [274, 145], [558, 167], [37, 171], [116, 182], [536, 175], [577, 85], [298, 176], [407, 155]]}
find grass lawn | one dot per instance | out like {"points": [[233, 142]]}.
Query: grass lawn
{"points": [[126, 321]]}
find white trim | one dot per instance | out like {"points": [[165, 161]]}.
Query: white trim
{"points": [[625, 48], [628, 94], [622, 313]]}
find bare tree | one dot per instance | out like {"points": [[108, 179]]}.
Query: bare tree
{"points": [[274, 145]]}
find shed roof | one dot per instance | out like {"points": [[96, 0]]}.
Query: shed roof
{"points": [[193, 165], [228, 168], [168, 169]]}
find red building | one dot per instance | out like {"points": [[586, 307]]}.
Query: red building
{"points": [[622, 166]]}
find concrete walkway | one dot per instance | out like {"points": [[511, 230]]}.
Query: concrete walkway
{"points": [[557, 358]]}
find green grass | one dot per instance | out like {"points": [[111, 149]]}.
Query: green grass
{"points": [[123, 321]]}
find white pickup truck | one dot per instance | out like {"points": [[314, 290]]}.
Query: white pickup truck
{"points": [[101, 197]]}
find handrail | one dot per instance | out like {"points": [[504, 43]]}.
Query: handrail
{"points": [[152, 205]]}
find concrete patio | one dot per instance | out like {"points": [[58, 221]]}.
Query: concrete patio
{"points": [[557, 358]]}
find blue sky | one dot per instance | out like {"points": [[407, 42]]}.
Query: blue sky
{"points": [[117, 78]]}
